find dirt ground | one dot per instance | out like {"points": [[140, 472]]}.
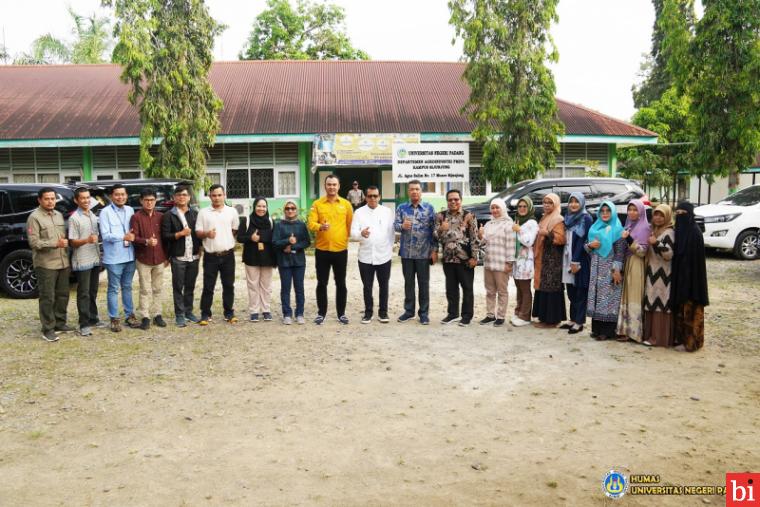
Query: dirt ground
{"points": [[379, 414]]}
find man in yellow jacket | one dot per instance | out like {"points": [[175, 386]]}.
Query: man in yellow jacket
{"points": [[330, 218]]}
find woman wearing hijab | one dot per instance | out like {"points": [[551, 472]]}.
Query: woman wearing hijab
{"points": [[497, 241], [526, 230], [290, 239], [607, 249], [258, 256], [549, 303], [689, 280], [658, 316], [576, 262], [636, 234]]}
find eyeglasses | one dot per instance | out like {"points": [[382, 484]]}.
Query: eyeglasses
{"points": [[373, 196], [290, 208]]}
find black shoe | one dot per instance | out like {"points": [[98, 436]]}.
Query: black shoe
{"points": [[566, 326], [574, 330], [159, 321], [50, 336], [464, 322], [498, 323], [488, 320], [367, 318], [448, 319], [145, 324], [64, 329], [383, 317], [319, 320], [343, 320], [405, 317]]}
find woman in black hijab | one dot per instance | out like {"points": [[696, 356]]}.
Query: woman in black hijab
{"points": [[690, 280]]}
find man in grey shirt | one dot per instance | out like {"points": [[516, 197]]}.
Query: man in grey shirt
{"points": [[85, 260]]}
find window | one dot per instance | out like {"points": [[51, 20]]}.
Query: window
{"points": [[262, 182], [237, 184], [477, 181], [286, 183], [23, 178], [129, 175], [564, 193], [23, 200], [104, 177], [5, 204], [48, 178], [429, 187], [608, 190], [746, 197], [537, 195]]}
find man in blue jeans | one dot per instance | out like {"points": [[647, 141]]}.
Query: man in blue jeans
{"points": [[415, 221], [118, 256]]}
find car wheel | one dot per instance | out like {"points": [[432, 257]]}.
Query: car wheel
{"points": [[17, 276], [747, 247]]}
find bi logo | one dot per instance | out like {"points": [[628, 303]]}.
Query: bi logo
{"points": [[740, 490], [615, 484]]}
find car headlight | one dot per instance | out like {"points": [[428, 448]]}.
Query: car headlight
{"points": [[719, 219]]}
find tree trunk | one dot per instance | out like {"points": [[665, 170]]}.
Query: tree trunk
{"points": [[733, 181]]}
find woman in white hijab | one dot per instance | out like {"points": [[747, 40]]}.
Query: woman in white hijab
{"points": [[498, 248]]}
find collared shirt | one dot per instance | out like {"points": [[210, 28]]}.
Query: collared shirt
{"points": [[81, 226], [224, 220], [460, 243], [44, 229], [114, 224], [355, 196], [148, 226], [416, 243], [378, 247], [338, 214]]}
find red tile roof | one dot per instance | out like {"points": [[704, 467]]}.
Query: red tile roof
{"points": [[265, 97]]}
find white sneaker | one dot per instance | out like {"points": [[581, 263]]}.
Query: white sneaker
{"points": [[300, 320], [518, 322], [287, 321]]}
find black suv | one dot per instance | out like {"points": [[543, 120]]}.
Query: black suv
{"points": [[17, 201], [164, 191], [619, 191]]}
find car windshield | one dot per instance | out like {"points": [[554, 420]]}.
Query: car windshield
{"points": [[745, 197]]}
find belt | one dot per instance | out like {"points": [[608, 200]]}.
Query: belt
{"points": [[222, 254]]}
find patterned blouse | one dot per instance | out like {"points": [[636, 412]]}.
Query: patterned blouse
{"points": [[524, 257], [460, 242], [498, 244]]}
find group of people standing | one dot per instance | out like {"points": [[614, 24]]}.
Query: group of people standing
{"points": [[636, 281], [639, 282]]}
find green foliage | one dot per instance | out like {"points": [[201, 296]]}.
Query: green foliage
{"points": [[506, 46], [165, 49], [308, 31], [593, 169], [654, 74], [719, 68], [92, 42], [93, 39], [46, 50]]}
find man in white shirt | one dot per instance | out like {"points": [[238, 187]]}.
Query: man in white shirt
{"points": [[217, 228], [372, 226]]}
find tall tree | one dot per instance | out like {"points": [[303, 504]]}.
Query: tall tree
{"points": [[165, 47], [719, 68], [654, 74], [507, 46], [308, 31], [92, 41], [45, 50], [92, 38]]}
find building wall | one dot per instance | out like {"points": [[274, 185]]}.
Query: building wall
{"points": [[274, 170], [718, 190]]}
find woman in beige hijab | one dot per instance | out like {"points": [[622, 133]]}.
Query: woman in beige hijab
{"points": [[549, 300]]}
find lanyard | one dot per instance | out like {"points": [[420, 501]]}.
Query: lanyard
{"points": [[116, 211]]}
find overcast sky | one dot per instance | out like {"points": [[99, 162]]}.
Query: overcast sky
{"points": [[600, 42]]}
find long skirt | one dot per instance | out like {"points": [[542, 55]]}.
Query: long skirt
{"points": [[602, 328], [549, 307], [690, 326], [630, 318], [658, 328]]}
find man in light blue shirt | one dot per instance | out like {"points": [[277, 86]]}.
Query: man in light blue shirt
{"points": [[118, 256]]}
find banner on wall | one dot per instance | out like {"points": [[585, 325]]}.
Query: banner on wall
{"points": [[357, 149], [428, 162]]}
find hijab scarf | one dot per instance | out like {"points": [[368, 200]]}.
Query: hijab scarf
{"points": [[575, 221], [667, 212], [639, 229], [606, 232]]}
